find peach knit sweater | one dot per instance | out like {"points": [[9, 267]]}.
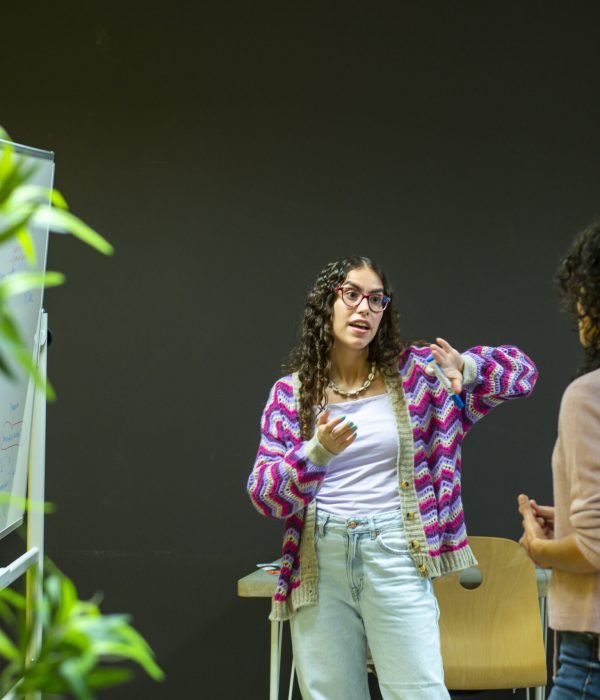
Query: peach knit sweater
{"points": [[575, 598]]}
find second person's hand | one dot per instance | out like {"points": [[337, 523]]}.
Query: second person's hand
{"points": [[544, 515]]}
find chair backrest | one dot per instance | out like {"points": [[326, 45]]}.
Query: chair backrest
{"points": [[492, 635]]}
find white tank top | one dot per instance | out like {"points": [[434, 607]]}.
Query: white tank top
{"points": [[363, 478]]}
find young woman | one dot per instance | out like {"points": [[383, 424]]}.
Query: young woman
{"points": [[566, 536], [360, 454]]}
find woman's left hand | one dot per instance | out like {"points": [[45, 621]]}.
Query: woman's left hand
{"points": [[450, 360]]}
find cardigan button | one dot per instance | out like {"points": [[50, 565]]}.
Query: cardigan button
{"points": [[422, 569], [415, 545], [410, 515], [404, 485]]}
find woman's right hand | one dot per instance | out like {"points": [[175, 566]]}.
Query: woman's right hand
{"points": [[336, 434]]}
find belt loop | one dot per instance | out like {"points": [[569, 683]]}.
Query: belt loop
{"points": [[322, 523], [372, 527]]}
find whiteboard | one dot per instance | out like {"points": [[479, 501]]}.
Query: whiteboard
{"points": [[16, 395]]}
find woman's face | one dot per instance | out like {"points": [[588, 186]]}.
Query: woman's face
{"points": [[356, 327]]}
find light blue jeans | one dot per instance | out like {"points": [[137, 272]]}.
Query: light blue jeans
{"points": [[369, 596], [578, 676]]}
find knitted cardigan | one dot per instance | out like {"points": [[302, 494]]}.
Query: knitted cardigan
{"points": [[289, 471]]}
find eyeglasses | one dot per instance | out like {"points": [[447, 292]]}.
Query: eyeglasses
{"points": [[352, 297]]}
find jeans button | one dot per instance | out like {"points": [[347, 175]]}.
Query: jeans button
{"points": [[352, 524]]}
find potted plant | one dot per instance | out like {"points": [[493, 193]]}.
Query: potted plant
{"points": [[81, 649]]}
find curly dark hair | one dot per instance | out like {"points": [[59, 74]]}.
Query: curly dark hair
{"points": [[310, 357], [578, 279]]}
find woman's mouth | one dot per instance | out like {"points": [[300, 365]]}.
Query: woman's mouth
{"points": [[360, 327]]}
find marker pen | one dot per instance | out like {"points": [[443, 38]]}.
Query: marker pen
{"points": [[439, 373]]}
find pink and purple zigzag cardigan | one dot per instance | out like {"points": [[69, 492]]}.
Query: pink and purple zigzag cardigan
{"points": [[289, 471]]}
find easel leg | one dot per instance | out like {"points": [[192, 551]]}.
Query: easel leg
{"points": [[35, 516]]}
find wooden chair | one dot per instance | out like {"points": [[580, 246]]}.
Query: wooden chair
{"points": [[492, 634]]}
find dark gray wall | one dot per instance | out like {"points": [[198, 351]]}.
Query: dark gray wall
{"points": [[229, 150]]}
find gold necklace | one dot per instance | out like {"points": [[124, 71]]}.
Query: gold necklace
{"points": [[353, 393]]}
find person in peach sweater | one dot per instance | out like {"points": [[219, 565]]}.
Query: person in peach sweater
{"points": [[566, 537]]}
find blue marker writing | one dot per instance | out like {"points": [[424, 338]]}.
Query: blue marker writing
{"points": [[439, 373]]}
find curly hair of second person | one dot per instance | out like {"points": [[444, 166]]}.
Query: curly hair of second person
{"points": [[310, 357], [578, 279]]}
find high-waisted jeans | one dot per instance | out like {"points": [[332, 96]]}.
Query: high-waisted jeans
{"points": [[578, 676], [369, 597]]}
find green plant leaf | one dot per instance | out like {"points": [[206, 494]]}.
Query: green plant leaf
{"points": [[28, 504], [6, 613], [38, 195], [16, 222], [27, 246], [107, 677], [17, 174], [66, 222], [7, 649], [134, 653], [75, 680], [6, 160], [5, 368], [19, 282], [9, 327], [32, 194], [81, 648], [68, 600], [58, 200], [19, 351], [13, 598], [53, 589]]}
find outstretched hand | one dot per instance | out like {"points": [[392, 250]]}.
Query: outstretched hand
{"points": [[335, 435], [450, 360]]}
